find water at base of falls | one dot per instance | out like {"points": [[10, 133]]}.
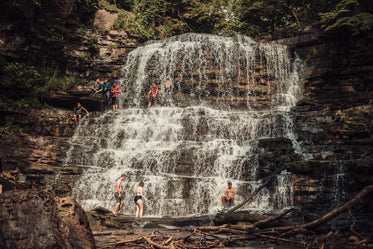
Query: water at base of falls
{"points": [[187, 152]]}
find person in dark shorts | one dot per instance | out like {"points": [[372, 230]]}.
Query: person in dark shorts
{"points": [[119, 197], [115, 89], [152, 95], [106, 88], [228, 197], [167, 87], [78, 112], [138, 200]]}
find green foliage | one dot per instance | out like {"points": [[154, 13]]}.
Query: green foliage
{"points": [[348, 16], [9, 125], [22, 85], [55, 80], [19, 76]]}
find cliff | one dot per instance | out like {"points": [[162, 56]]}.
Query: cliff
{"points": [[333, 120]]}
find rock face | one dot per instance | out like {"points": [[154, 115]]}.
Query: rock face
{"points": [[38, 152], [37, 219], [334, 123]]}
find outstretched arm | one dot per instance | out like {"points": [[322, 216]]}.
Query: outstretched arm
{"points": [[143, 195], [85, 111]]}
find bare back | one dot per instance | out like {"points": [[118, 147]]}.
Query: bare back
{"points": [[139, 191]]}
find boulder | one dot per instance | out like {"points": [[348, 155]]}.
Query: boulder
{"points": [[37, 219], [105, 19]]}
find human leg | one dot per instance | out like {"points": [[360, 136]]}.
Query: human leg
{"points": [[230, 202], [116, 209], [79, 117], [120, 208], [223, 200], [141, 206], [137, 210], [117, 205]]}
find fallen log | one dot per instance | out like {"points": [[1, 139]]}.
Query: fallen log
{"points": [[281, 239], [353, 224], [156, 245], [256, 191], [261, 223], [357, 199], [125, 241]]}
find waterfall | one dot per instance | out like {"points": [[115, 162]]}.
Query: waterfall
{"points": [[230, 93]]}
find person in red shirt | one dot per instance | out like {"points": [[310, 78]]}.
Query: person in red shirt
{"points": [[115, 89], [152, 94]]}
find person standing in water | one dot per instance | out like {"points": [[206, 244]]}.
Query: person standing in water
{"points": [[78, 112], [138, 201], [118, 195], [168, 87], [152, 95], [115, 89], [228, 197]]}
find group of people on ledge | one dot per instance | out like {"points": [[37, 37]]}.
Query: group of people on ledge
{"points": [[111, 93], [227, 198]]}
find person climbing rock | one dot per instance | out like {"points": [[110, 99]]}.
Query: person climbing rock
{"points": [[228, 197], [119, 197], [78, 112], [106, 88], [152, 95], [138, 200], [96, 86], [115, 89]]}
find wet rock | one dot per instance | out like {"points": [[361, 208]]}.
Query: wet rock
{"points": [[105, 19], [73, 224], [37, 219]]}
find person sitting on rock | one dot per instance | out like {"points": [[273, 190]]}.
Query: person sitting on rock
{"points": [[96, 86], [78, 112], [228, 197]]}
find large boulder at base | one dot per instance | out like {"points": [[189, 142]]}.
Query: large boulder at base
{"points": [[37, 219]]}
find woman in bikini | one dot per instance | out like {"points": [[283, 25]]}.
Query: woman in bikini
{"points": [[138, 201]]}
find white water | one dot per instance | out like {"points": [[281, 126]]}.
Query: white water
{"points": [[187, 152]]}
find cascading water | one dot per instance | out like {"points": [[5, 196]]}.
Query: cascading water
{"points": [[230, 92]]}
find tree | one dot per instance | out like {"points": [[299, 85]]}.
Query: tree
{"points": [[349, 16]]}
